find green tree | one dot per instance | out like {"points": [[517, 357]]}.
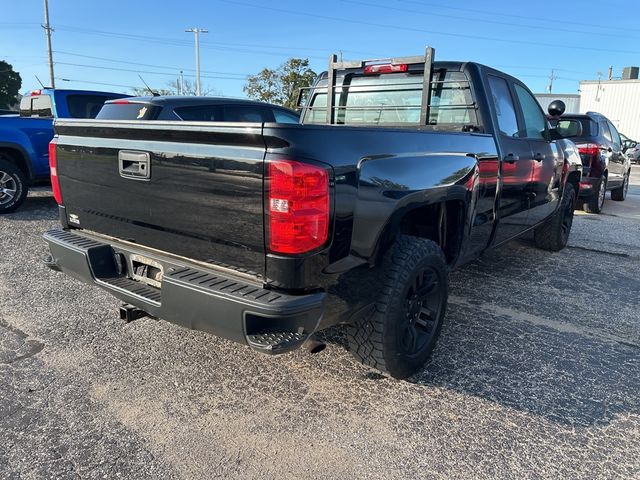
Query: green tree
{"points": [[10, 83], [281, 86]]}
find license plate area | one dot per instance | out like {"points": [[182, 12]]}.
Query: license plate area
{"points": [[146, 270]]}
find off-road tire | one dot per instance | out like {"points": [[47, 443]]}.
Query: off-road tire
{"points": [[554, 233], [620, 193], [595, 202], [12, 178], [412, 266]]}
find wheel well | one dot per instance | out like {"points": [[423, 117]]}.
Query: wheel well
{"points": [[442, 223], [17, 158]]}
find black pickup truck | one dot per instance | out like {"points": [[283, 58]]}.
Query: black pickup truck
{"points": [[266, 233]]}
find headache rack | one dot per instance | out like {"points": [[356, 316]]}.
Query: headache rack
{"points": [[392, 65]]}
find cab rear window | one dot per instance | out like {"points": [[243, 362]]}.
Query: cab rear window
{"points": [[128, 111], [36, 106], [393, 99], [85, 106]]}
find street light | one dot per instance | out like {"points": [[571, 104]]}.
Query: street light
{"points": [[196, 33]]}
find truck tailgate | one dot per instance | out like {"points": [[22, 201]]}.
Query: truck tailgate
{"points": [[193, 190]]}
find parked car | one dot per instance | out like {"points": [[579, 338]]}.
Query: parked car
{"points": [[353, 217], [633, 152], [24, 139], [605, 165], [196, 109]]}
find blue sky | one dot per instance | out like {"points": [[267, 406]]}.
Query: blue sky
{"points": [[101, 45]]}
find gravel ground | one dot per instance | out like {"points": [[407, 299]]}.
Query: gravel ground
{"points": [[537, 375]]}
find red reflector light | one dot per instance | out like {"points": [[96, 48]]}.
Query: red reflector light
{"points": [[585, 185], [35, 92], [386, 68], [119, 102], [53, 166], [297, 207], [588, 149]]}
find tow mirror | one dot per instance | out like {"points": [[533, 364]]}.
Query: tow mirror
{"points": [[556, 108]]}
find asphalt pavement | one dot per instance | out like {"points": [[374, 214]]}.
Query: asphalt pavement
{"points": [[536, 375]]}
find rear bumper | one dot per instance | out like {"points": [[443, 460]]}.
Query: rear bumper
{"points": [[589, 186], [190, 295]]}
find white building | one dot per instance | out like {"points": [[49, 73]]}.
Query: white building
{"points": [[571, 101], [618, 100]]}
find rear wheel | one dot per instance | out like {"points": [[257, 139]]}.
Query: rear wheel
{"points": [[399, 334], [554, 233], [596, 201], [619, 194], [13, 186]]}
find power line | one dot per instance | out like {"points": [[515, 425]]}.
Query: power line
{"points": [[476, 20], [95, 83], [413, 29], [113, 60], [170, 74], [502, 14]]}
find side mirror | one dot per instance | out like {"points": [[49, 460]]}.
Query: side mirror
{"points": [[553, 134], [556, 108]]}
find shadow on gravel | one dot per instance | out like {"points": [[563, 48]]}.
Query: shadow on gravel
{"points": [[537, 360], [36, 208]]}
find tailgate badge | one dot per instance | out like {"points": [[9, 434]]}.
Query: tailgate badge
{"points": [[142, 112], [73, 218]]}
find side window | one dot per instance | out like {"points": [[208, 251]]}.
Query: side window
{"points": [[507, 120], [207, 113], [283, 116], [534, 120], [244, 113], [451, 101], [606, 133], [615, 135]]}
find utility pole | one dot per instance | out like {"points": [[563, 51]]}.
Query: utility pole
{"points": [[48, 30], [196, 33], [552, 77], [181, 83], [610, 72]]}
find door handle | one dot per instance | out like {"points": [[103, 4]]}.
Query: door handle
{"points": [[511, 158], [134, 165], [538, 157]]}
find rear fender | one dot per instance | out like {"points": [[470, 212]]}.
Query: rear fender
{"points": [[20, 156], [389, 187]]}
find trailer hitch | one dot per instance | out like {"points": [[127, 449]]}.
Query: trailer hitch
{"points": [[129, 313]]}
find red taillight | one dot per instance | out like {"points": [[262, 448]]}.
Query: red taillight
{"points": [[53, 166], [297, 207], [385, 68], [588, 149], [35, 92]]}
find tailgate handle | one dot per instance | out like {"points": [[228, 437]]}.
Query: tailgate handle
{"points": [[134, 165]]}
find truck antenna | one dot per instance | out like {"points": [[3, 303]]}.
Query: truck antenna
{"points": [[41, 84], [153, 92]]}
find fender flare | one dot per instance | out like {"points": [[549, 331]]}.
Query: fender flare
{"points": [[25, 156]]}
